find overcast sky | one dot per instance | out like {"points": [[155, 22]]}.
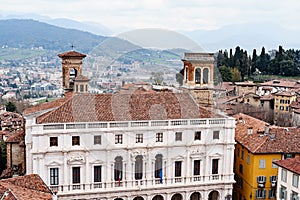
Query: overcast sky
{"points": [[168, 14]]}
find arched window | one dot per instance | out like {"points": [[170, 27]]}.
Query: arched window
{"points": [[214, 195], [176, 197], [205, 76], [158, 166], [198, 76], [158, 197], [138, 198], [118, 170], [138, 167], [195, 196]]}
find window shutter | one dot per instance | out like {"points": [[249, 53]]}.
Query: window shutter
{"points": [[264, 194], [256, 193]]}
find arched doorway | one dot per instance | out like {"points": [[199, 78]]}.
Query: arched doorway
{"points": [[176, 197], [118, 199], [158, 197], [138, 198], [195, 196], [214, 195]]}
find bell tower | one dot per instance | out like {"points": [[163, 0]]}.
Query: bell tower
{"points": [[198, 76], [71, 68]]}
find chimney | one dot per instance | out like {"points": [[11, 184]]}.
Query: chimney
{"points": [[267, 129], [250, 130]]}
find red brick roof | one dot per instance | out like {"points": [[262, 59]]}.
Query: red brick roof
{"points": [[71, 54], [83, 107], [291, 164], [278, 140], [25, 188]]}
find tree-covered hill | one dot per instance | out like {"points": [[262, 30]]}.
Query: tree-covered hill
{"points": [[17, 33]]}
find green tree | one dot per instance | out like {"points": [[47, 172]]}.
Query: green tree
{"points": [[254, 61], [226, 73], [236, 75]]}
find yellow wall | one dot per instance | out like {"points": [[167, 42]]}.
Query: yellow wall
{"points": [[251, 171]]}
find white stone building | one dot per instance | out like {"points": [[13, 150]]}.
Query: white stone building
{"points": [[288, 186], [142, 145]]}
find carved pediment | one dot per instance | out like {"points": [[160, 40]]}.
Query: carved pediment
{"points": [[54, 163]]}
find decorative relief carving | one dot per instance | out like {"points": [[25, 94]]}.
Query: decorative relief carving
{"points": [[76, 158]]}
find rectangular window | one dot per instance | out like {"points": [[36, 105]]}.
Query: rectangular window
{"points": [[178, 136], [286, 108], [261, 179], [97, 174], [248, 159], [196, 167], [216, 135], [177, 168], [274, 165], [243, 155], [281, 107], [241, 169], [272, 193], [81, 88], [262, 163], [53, 141], [118, 139], [75, 140], [260, 194], [238, 152], [159, 137], [294, 196], [53, 176], [97, 139], [75, 175], [295, 180], [215, 166], [198, 135], [283, 175], [139, 138], [282, 194]]}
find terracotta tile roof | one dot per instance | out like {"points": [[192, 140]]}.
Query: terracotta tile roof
{"points": [[278, 140], [71, 54], [291, 164], [281, 83], [15, 136], [48, 105], [25, 188], [83, 107], [288, 94]]}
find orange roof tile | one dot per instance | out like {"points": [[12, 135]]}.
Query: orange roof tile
{"points": [[83, 107], [278, 140], [291, 164], [71, 54], [25, 188], [81, 78]]}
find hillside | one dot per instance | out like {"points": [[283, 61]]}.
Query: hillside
{"points": [[26, 34]]}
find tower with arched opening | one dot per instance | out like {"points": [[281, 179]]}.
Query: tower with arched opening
{"points": [[198, 76]]}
